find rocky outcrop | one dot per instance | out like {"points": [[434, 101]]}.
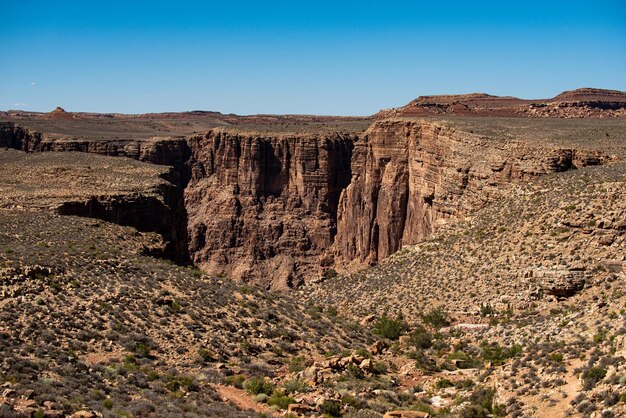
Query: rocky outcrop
{"points": [[584, 102], [263, 207], [410, 177], [559, 281], [162, 212]]}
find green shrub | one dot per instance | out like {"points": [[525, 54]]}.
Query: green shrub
{"points": [[363, 353], [380, 368], [557, 357], [389, 328], [256, 385], [295, 386], [497, 355], [421, 338], [437, 317], [464, 384], [296, 364], [463, 360], [261, 398], [330, 274], [481, 404], [355, 371], [331, 408], [486, 309], [423, 362], [444, 383], [236, 380], [280, 400], [142, 350], [592, 376]]}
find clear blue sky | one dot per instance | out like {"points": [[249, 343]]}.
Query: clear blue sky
{"points": [[347, 58]]}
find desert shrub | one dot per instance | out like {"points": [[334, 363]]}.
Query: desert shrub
{"points": [[363, 353], [295, 386], [557, 357], [380, 368], [330, 274], [592, 376], [486, 309], [482, 404], [205, 354], [236, 380], [496, 354], [421, 338], [259, 384], [444, 383], [331, 408], [389, 328], [423, 362], [296, 364], [437, 318], [280, 400], [463, 360], [464, 384], [355, 372]]}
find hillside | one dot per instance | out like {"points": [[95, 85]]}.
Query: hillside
{"points": [[542, 270], [90, 321]]}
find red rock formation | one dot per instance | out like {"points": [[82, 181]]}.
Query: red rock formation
{"points": [[411, 176], [278, 209], [263, 207]]}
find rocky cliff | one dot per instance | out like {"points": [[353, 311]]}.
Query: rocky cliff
{"points": [[263, 207], [410, 176], [172, 151], [280, 208]]}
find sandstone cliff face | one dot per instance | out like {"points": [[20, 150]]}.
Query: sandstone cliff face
{"points": [[277, 209], [263, 208], [409, 177]]}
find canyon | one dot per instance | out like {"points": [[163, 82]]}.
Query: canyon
{"points": [[283, 208], [202, 264]]}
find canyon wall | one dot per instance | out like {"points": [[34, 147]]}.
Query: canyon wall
{"points": [[172, 151], [161, 211], [278, 209], [411, 176], [263, 207]]}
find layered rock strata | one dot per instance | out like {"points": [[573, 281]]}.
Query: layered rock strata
{"points": [[411, 176], [278, 208], [264, 207]]}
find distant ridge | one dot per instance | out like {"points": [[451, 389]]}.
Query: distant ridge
{"points": [[583, 102]]}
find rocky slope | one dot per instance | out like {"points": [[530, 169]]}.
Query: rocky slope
{"points": [[91, 324], [546, 239], [526, 298]]}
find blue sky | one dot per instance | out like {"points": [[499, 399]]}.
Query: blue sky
{"points": [[345, 58]]}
